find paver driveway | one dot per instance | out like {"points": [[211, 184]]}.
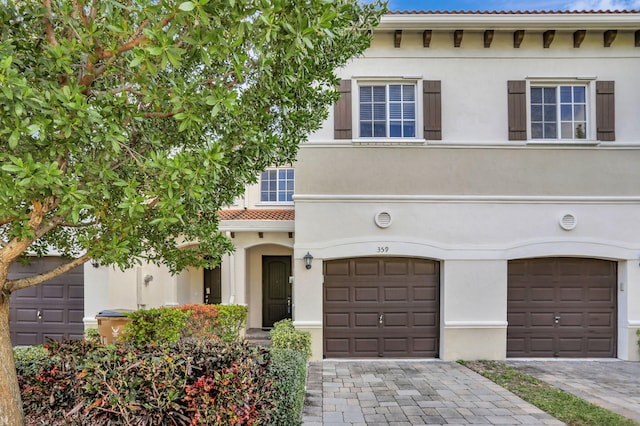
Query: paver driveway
{"points": [[411, 392]]}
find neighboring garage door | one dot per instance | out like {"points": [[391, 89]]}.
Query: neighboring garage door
{"points": [[562, 307], [52, 310], [381, 307]]}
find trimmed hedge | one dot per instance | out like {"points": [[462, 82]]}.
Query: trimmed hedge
{"points": [[285, 336], [288, 371], [190, 382]]}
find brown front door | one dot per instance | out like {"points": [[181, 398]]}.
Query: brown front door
{"points": [[276, 289], [52, 310], [562, 307], [212, 286], [381, 307]]}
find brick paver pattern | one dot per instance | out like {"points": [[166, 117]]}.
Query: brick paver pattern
{"points": [[412, 392]]}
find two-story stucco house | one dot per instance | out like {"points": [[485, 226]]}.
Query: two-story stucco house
{"points": [[475, 193]]}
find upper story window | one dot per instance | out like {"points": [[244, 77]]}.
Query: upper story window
{"points": [[559, 112], [276, 186], [580, 109], [387, 110]]}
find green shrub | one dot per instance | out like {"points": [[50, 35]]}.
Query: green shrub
{"points": [[154, 326], [29, 359], [288, 371], [190, 382], [231, 319], [214, 321], [285, 336], [92, 334]]}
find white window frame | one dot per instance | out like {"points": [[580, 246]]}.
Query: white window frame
{"points": [[590, 114], [278, 191], [386, 81]]}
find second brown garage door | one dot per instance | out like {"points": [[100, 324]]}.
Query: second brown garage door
{"points": [[562, 307], [381, 307]]}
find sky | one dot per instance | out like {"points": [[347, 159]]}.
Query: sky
{"points": [[483, 5]]}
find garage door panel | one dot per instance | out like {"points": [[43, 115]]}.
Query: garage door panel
{"points": [[368, 320], [540, 294], [366, 346], [425, 319], [396, 319], [394, 294], [336, 294], [337, 320], [569, 313], [403, 291], [396, 267], [572, 294], [366, 294], [367, 268]]}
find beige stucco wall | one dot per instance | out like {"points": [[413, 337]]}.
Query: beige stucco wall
{"points": [[429, 170], [474, 79]]}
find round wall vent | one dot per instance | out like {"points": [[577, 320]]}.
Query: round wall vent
{"points": [[383, 219], [568, 222]]}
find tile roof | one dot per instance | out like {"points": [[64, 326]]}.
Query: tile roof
{"points": [[254, 214], [507, 12]]}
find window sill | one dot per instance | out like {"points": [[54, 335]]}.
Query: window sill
{"points": [[388, 142], [273, 203], [571, 142]]}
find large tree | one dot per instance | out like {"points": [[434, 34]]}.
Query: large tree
{"points": [[126, 125]]}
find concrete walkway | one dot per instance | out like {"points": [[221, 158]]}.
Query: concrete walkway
{"points": [[412, 392], [612, 384]]}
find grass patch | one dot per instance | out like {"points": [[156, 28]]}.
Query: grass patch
{"points": [[560, 404]]}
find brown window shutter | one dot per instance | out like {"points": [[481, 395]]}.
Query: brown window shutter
{"points": [[517, 104], [342, 112], [432, 109], [605, 111]]}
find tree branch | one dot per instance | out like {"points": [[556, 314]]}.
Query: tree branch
{"points": [[18, 284], [48, 24]]}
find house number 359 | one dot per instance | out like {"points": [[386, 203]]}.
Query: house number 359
{"points": [[383, 249]]}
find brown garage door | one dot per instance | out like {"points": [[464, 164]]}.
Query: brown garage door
{"points": [[381, 307], [52, 310], [562, 307]]}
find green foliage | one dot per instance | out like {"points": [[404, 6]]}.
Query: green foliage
{"points": [[288, 371], [127, 127], [231, 319], [285, 336], [191, 382], [214, 321], [202, 321], [29, 359], [158, 326], [92, 334]]}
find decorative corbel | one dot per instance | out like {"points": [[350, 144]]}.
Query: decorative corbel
{"points": [[518, 36], [457, 37], [426, 38], [547, 38], [578, 38], [609, 37], [397, 38], [488, 38]]}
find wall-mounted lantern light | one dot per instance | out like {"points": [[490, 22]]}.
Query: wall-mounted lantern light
{"points": [[307, 260]]}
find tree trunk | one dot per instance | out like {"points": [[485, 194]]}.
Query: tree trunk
{"points": [[11, 413]]}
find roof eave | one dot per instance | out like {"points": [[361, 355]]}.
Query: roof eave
{"points": [[505, 21]]}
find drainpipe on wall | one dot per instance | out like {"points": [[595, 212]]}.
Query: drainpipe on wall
{"points": [[232, 272]]}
